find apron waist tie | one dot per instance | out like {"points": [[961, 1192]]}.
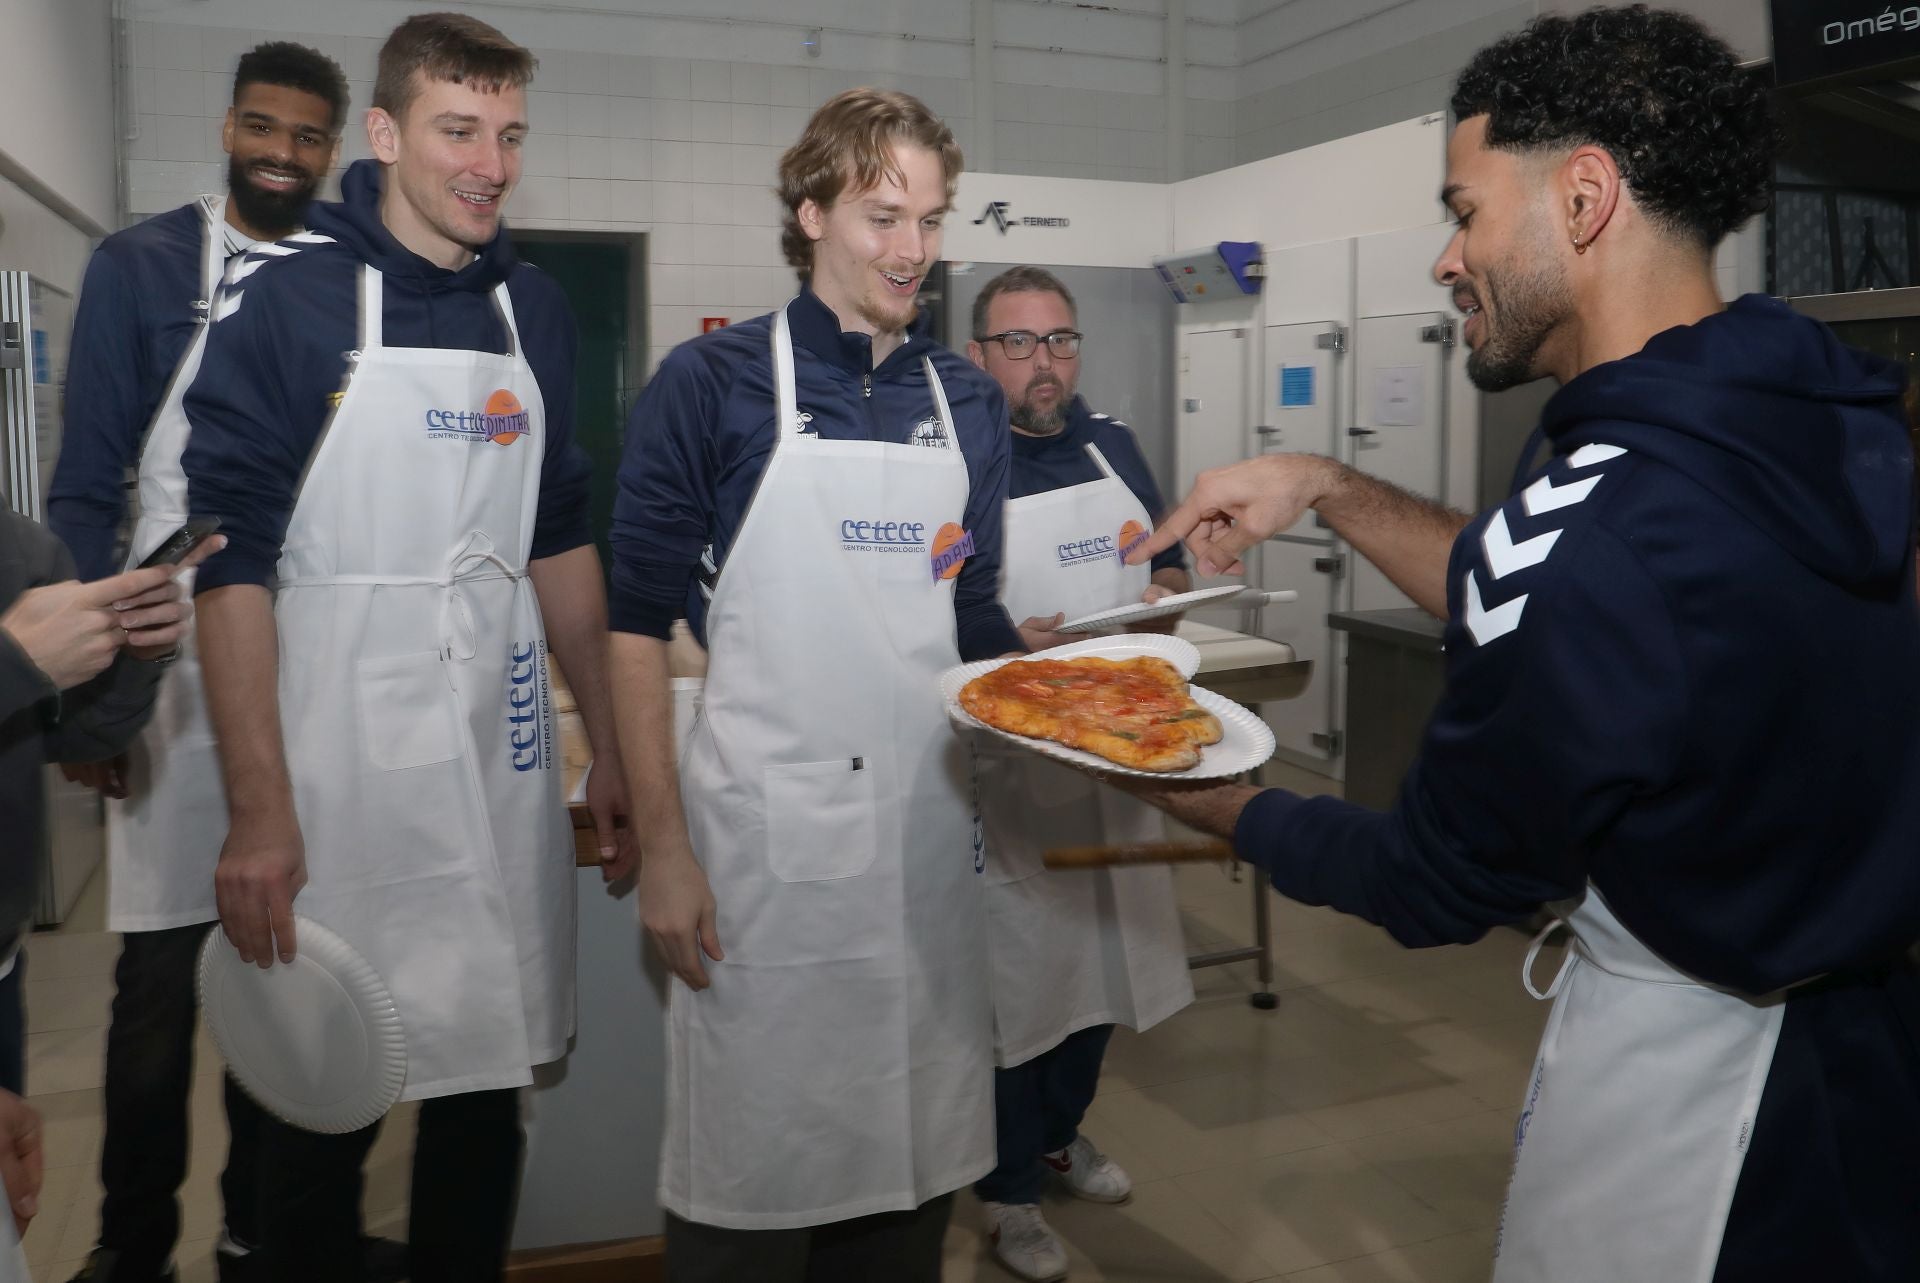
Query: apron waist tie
{"points": [[472, 564]]}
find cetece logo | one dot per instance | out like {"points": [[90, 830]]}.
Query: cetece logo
{"points": [[529, 707], [883, 536], [502, 421], [1081, 552]]}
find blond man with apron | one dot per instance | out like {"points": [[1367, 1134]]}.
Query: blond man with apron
{"points": [[819, 492]]}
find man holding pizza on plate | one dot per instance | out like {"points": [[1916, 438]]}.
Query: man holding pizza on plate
{"points": [[819, 493], [1074, 952]]}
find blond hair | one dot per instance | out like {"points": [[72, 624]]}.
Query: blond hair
{"points": [[848, 144]]}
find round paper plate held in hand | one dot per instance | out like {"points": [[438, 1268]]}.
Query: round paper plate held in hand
{"points": [[317, 1042]]}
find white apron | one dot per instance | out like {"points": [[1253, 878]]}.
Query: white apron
{"points": [[1082, 948], [1637, 1117], [416, 714], [839, 1064], [163, 839]]}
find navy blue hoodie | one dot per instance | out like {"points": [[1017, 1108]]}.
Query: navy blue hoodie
{"points": [[1682, 664], [277, 355]]}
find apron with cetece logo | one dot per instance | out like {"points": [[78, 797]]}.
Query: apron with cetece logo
{"points": [[840, 1063]]}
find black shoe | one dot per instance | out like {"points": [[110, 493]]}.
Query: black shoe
{"points": [[387, 1260], [102, 1267], [386, 1263]]}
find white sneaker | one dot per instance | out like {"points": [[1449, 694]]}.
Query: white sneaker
{"points": [[1089, 1173], [1024, 1242]]}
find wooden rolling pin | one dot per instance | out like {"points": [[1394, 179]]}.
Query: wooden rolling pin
{"points": [[1102, 857]]}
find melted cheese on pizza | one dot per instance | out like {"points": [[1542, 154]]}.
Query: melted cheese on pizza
{"points": [[1136, 712]]}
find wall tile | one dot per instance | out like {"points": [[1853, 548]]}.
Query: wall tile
{"points": [[588, 158], [544, 156], [710, 81], [750, 123], [632, 201], [179, 93], [630, 158], [673, 162], [672, 78], [673, 202], [587, 114], [752, 83], [629, 118], [590, 199]]}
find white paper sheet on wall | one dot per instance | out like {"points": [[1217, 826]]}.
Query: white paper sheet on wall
{"points": [[1399, 396]]}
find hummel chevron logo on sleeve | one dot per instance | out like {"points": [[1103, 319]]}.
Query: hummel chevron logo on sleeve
{"points": [[1544, 496], [1504, 556], [1594, 452], [1490, 625]]}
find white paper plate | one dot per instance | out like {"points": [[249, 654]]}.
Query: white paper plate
{"points": [[1140, 611], [317, 1042], [1246, 743]]}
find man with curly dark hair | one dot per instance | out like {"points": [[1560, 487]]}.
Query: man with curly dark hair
{"points": [[1670, 656]]}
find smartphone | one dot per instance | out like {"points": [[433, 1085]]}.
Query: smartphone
{"points": [[181, 542]]}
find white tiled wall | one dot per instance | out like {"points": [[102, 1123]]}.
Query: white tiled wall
{"points": [[1364, 75], [685, 150]]}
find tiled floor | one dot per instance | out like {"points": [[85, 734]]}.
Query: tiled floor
{"points": [[1358, 1134]]}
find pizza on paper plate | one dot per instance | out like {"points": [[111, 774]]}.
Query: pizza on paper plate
{"points": [[1134, 712]]}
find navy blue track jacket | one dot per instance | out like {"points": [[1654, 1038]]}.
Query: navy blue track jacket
{"points": [[699, 438]]}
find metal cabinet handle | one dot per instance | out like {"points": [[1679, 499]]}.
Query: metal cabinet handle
{"points": [[1361, 432]]}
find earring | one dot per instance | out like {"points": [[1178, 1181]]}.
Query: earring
{"points": [[1578, 248]]}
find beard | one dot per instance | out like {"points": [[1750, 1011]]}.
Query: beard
{"points": [[875, 313], [275, 212], [1530, 301], [1040, 423]]}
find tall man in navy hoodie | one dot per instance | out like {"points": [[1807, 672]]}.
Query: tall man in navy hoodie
{"points": [[142, 308], [1683, 666], [383, 422]]}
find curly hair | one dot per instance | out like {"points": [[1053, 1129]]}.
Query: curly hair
{"points": [[848, 145], [1694, 134], [286, 65]]}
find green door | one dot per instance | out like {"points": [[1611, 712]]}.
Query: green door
{"points": [[601, 278]]}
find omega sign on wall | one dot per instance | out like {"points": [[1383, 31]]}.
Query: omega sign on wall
{"points": [[1000, 214], [1821, 39]]}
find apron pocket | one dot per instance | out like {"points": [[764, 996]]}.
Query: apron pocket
{"points": [[406, 714], [820, 819]]}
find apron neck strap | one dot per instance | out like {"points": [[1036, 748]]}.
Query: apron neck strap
{"points": [[1100, 462], [505, 304], [371, 314], [213, 244], [787, 399]]}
